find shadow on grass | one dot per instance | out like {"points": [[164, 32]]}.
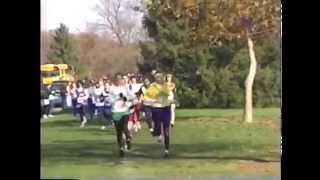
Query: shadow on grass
{"points": [[95, 152], [71, 123]]}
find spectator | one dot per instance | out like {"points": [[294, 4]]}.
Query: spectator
{"points": [[52, 98], [74, 98], [45, 103]]}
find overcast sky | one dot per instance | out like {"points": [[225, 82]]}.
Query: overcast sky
{"points": [[73, 13]]}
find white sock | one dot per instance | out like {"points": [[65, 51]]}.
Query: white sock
{"points": [[84, 120]]}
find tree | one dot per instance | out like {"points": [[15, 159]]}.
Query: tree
{"points": [[46, 39], [62, 49], [217, 22], [118, 18], [102, 56]]}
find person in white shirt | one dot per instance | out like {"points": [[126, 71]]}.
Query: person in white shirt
{"points": [[82, 98], [120, 105], [103, 105], [68, 95]]}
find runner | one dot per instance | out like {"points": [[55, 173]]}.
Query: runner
{"points": [[99, 102], [51, 100], [120, 114], [45, 101], [134, 117], [107, 106], [73, 92], [82, 97], [103, 105], [146, 104], [161, 113], [172, 87], [91, 100], [68, 95]]}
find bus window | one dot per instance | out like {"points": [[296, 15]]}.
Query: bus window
{"points": [[50, 74]]}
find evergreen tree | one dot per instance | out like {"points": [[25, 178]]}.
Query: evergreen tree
{"points": [[208, 75], [62, 49]]}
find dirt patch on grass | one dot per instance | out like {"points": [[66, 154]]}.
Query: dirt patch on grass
{"points": [[259, 168]]}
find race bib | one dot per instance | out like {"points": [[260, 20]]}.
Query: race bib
{"points": [[80, 100]]}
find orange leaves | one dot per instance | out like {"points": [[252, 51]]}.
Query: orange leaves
{"points": [[217, 21], [189, 3]]}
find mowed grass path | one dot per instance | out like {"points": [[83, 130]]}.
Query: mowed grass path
{"points": [[204, 142]]}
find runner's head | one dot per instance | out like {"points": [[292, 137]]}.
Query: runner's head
{"points": [[168, 77], [107, 83], [133, 80], [159, 78], [101, 83], [118, 80], [79, 84], [146, 81], [125, 79]]}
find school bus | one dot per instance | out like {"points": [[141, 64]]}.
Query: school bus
{"points": [[56, 72]]}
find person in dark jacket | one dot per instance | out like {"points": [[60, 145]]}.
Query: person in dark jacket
{"points": [[45, 103]]}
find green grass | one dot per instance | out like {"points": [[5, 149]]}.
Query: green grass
{"points": [[204, 142]]}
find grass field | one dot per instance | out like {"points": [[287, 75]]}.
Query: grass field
{"points": [[206, 142]]}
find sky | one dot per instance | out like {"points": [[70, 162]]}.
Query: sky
{"points": [[73, 13]]}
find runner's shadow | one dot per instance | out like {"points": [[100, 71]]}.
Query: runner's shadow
{"points": [[93, 152]]}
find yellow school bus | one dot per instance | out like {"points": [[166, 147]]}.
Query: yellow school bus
{"points": [[56, 72]]}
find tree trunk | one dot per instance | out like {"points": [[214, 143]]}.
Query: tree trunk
{"points": [[248, 112]]}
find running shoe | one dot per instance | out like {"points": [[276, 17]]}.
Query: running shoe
{"points": [[166, 153], [121, 153], [159, 139]]}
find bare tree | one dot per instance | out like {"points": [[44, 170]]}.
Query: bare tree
{"points": [[102, 55], [118, 18]]}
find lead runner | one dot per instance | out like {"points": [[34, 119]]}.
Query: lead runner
{"points": [[161, 110]]}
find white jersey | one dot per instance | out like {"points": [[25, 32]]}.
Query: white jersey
{"points": [[98, 91], [119, 105], [136, 87], [82, 95]]}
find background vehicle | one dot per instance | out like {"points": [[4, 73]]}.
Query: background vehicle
{"points": [[56, 72], [58, 90]]}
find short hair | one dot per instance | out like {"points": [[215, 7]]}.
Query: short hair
{"points": [[158, 74]]}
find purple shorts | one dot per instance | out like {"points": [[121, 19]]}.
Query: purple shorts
{"points": [[161, 117]]}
